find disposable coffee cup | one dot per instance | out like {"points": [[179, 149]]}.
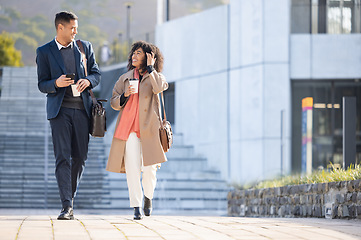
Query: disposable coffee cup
{"points": [[134, 83], [75, 91]]}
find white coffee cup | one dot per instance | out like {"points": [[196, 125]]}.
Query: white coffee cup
{"points": [[75, 91], [134, 83]]}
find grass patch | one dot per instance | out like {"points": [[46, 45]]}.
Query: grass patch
{"points": [[332, 175]]}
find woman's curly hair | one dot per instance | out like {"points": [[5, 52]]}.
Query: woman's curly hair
{"points": [[147, 48]]}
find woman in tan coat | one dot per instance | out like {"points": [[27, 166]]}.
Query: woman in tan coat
{"points": [[136, 144]]}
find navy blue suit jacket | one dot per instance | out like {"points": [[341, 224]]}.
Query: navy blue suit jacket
{"points": [[50, 66]]}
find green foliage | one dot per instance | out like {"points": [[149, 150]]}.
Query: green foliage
{"points": [[30, 32], [9, 55], [13, 13], [31, 28], [85, 14], [8, 16], [119, 51], [24, 41], [333, 175], [5, 20], [73, 2], [91, 33], [66, 7], [27, 45], [102, 4], [38, 28]]}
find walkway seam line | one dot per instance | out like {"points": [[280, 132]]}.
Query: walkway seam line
{"points": [[207, 228], [84, 228], [116, 228], [52, 227], [179, 228], [246, 230], [17, 234], [135, 221]]}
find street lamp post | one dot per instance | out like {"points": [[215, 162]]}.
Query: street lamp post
{"points": [[115, 51], [120, 46], [128, 5]]}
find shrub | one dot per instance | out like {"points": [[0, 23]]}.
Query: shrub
{"points": [[320, 176]]}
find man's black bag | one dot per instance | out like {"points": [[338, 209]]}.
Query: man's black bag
{"points": [[98, 125]]}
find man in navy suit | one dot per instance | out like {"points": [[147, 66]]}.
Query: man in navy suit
{"points": [[68, 107]]}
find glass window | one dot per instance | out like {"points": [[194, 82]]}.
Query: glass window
{"points": [[339, 16], [326, 16], [301, 16], [169, 101], [327, 121], [347, 89]]}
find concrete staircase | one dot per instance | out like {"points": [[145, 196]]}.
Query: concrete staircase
{"points": [[184, 184], [27, 172], [27, 178]]}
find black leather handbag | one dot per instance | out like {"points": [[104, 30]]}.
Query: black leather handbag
{"points": [[98, 121], [98, 125]]}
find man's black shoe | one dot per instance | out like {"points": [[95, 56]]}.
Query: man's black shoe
{"points": [[147, 206], [137, 214], [66, 214]]}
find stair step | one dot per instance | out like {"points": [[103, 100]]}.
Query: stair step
{"points": [[184, 164], [181, 194], [196, 175], [179, 151], [176, 184], [39, 174], [177, 139], [174, 204], [184, 182]]}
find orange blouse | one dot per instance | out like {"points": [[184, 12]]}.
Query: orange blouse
{"points": [[129, 121]]}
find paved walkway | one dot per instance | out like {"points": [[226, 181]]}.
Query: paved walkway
{"points": [[42, 224]]}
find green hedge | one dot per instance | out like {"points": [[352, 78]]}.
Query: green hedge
{"points": [[333, 175]]}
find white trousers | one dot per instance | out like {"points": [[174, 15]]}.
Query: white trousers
{"points": [[134, 167]]}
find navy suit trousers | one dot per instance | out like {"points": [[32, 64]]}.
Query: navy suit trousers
{"points": [[70, 133]]}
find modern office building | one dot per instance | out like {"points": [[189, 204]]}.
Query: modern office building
{"points": [[239, 73]]}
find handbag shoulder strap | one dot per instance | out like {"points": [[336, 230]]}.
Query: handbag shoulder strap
{"points": [[165, 116], [81, 48]]}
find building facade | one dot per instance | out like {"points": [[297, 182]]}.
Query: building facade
{"points": [[239, 74]]}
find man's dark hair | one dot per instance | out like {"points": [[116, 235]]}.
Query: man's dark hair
{"points": [[147, 48], [64, 17]]}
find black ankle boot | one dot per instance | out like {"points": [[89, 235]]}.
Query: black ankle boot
{"points": [[137, 214], [147, 206]]}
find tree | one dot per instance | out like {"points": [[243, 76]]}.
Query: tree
{"points": [[9, 55]]}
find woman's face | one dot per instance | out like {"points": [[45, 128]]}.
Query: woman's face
{"points": [[138, 58]]}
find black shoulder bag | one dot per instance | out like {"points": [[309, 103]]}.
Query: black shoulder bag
{"points": [[98, 125]]}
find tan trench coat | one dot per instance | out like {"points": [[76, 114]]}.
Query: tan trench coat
{"points": [[149, 120]]}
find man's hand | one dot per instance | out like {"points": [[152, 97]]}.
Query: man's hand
{"points": [[82, 84], [63, 81]]}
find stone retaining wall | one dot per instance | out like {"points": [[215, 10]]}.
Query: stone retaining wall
{"points": [[330, 200]]}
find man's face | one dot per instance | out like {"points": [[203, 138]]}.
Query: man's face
{"points": [[68, 31]]}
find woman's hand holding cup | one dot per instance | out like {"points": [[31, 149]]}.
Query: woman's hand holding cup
{"points": [[132, 88], [129, 91]]}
